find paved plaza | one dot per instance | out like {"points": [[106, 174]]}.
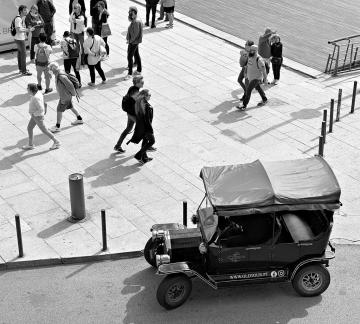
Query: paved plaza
{"points": [[192, 78]]}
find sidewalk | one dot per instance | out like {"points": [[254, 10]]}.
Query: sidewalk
{"points": [[192, 77]]}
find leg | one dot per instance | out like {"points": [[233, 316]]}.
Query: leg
{"points": [[147, 142], [261, 91], [241, 78], [32, 53], [39, 71], [18, 55], [92, 73], [40, 123], [153, 14], [171, 18], [100, 71], [47, 77], [73, 64], [81, 41], [30, 129], [106, 45], [67, 65], [249, 89], [137, 59], [130, 54], [161, 17], [21, 55], [147, 14], [130, 124]]}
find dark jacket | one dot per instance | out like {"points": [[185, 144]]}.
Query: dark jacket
{"points": [[276, 49], [143, 123], [98, 23], [46, 10], [37, 22], [94, 10], [81, 3]]}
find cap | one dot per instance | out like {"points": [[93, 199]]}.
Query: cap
{"points": [[133, 8]]}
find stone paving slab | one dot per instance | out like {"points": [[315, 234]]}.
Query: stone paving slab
{"points": [[192, 77]]}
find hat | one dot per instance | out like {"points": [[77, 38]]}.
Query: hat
{"points": [[133, 8], [268, 31], [66, 34], [253, 48]]}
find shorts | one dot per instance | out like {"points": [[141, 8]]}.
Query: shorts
{"points": [[169, 9], [64, 106]]}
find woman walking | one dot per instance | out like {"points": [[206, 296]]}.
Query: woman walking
{"points": [[103, 19], [143, 129], [276, 57], [92, 48], [77, 27], [34, 20], [37, 112]]}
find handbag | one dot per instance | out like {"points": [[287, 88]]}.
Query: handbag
{"points": [[105, 30], [87, 55]]}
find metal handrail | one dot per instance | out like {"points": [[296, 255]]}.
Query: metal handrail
{"points": [[342, 39]]}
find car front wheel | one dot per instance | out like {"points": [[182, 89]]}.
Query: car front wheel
{"points": [[149, 252], [173, 291], [311, 280]]}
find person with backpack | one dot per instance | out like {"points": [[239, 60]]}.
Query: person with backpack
{"points": [[47, 12], [18, 30], [42, 61], [33, 19], [128, 105], [71, 52], [256, 73], [37, 110], [92, 47], [77, 27], [244, 55], [66, 90]]}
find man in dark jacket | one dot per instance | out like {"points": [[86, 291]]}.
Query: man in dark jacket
{"points": [[94, 12], [47, 12], [151, 5]]}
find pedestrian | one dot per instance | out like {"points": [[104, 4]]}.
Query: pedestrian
{"points": [[33, 19], [276, 57], [143, 129], [162, 14], [151, 6], [77, 26], [66, 91], [20, 38], [169, 6], [128, 105], [37, 111], [94, 46], [244, 55], [264, 47], [42, 61], [103, 20], [73, 3], [94, 11], [256, 73], [71, 52], [47, 12], [134, 38]]}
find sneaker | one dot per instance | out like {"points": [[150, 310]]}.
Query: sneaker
{"points": [[140, 161], [148, 159], [103, 82], [137, 73], [26, 73], [39, 87], [129, 76], [48, 90], [160, 18], [262, 103], [166, 19], [276, 82], [153, 26], [241, 107], [80, 85], [152, 149], [28, 147], [91, 84], [77, 122], [169, 26], [54, 129], [55, 146], [147, 24], [119, 149]]}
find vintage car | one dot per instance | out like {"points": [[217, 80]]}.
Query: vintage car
{"points": [[258, 222]]}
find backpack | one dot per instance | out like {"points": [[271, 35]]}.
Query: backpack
{"points": [[125, 103], [73, 49], [74, 81], [41, 57], [12, 26], [267, 67]]}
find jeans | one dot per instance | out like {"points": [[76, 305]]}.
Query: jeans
{"points": [[80, 40], [276, 70], [68, 63], [34, 41], [148, 141], [21, 55], [133, 51], [153, 13], [253, 84], [130, 125], [39, 72], [241, 78], [99, 69]]}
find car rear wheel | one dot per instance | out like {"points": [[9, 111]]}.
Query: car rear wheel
{"points": [[311, 280], [173, 291], [149, 252]]}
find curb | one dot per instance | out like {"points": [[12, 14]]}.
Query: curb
{"points": [[238, 42]]}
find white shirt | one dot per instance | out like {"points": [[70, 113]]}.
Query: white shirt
{"points": [[36, 105], [20, 28]]}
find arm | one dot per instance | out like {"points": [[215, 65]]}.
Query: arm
{"points": [[52, 9]]}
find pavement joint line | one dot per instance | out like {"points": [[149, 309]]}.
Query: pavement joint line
{"points": [[238, 42]]}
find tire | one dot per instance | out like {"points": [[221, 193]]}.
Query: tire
{"points": [[311, 280], [173, 291], [149, 252]]}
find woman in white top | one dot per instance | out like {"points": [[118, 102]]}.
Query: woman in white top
{"points": [[37, 111], [77, 27], [94, 47]]}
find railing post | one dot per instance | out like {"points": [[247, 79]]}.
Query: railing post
{"points": [[353, 98], [337, 60], [321, 146], [185, 213], [351, 55], [331, 121], [323, 130], [18, 234], [103, 227], [327, 63], [338, 106]]}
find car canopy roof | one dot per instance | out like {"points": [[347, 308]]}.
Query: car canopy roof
{"points": [[260, 187]]}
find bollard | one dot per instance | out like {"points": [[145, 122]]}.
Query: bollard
{"points": [[185, 213], [103, 227], [323, 130], [77, 200], [338, 106], [331, 121], [325, 115], [321, 146], [353, 98], [18, 234]]}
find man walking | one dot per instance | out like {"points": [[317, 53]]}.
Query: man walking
{"points": [[66, 91], [134, 38], [256, 73]]}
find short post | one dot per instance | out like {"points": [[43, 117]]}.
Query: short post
{"points": [[338, 106], [77, 200], [325, 115], [185, 213], [331, 121], [323, 130], [103, 227], [18, 233], [321, 146], [353, 98]]}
